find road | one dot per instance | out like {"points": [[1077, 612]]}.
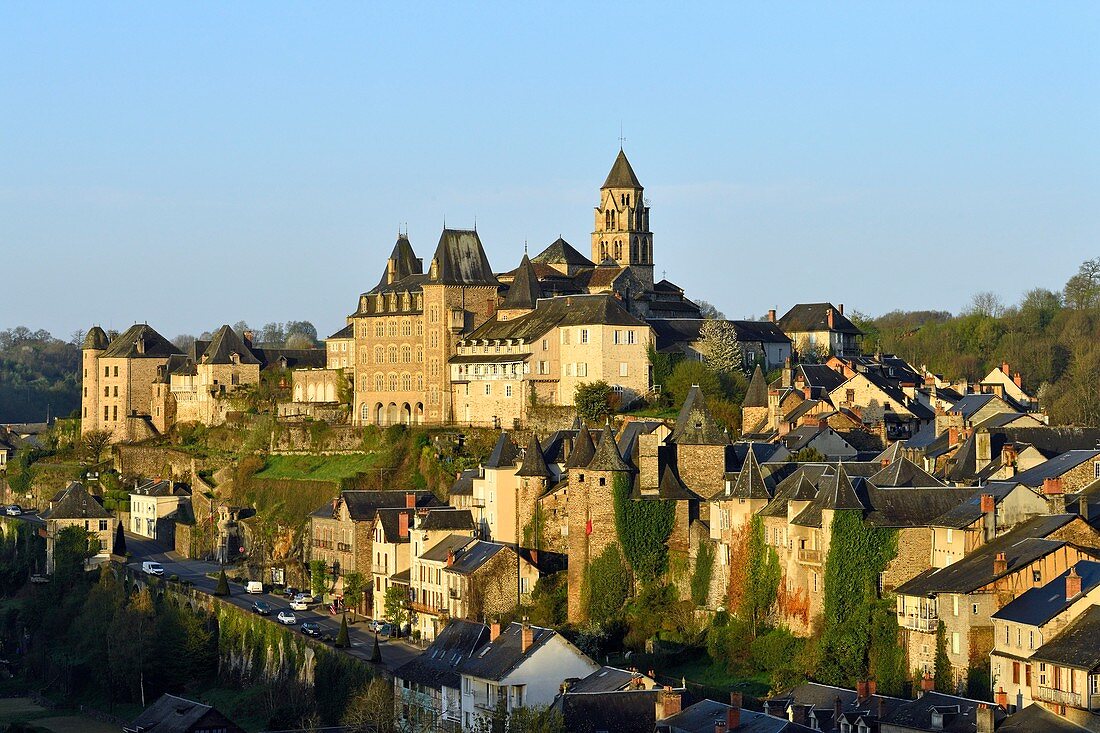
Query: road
{"points": [[394, 652]]}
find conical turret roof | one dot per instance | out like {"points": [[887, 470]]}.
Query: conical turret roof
{"points": [[750, 482], [607, 457], [534, 462], [839, 493], [621, 175], [96, 339], [504, 452], [524, 292], [583, 449], [696, 425], [757, 394]]}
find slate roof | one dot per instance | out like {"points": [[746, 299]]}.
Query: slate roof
{"points": [[670, 487], [902, 507], [534, 462], [583, 450], [171, 714], [562, 253], [227, 342], [750, 484], [696, 425], [891, 454], [464, 484], [838, 493], [621, 174], [606, 457], [823, 698], [1022, 546], [566, 310], [460, 259], [808, 317], [406, 262], [1078, 645], [125, 345], [76, 503], [346, 332], [472, 557], [499, 657], [447, 519], [437, 667], [451, 543], [903, 472], [505, 452], [1036, 606], [363, 504], [757, 394], [971, 403], [700, 717], [295, 358], [604, 679], [625, 711], [917, 714], [160, 488], [96, 339], [1037, 718], [1055, 467], [390, 519], [820, 375], [970, 510], [524, 292]]}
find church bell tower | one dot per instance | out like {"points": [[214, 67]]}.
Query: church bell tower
{"points": [[622, 223]]}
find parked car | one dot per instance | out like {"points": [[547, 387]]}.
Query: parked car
{"points": [[287, 617], [385, 629], [375, 624], [300, 603], [13, 510], [311, 628], [254, 586], [261, 608], [290, 591], [152, 568]]}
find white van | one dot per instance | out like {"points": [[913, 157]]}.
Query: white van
{"points": [[254, 586], [152, 568]]}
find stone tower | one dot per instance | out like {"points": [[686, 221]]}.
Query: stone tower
{"points": [[95, 343], [622, 223]]}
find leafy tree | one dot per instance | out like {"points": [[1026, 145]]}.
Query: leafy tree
{"points": [[593, 400], [371, 708], [606, 585], [709, 312], [222, 588], [71, 549], [661, 366], [1082, 291], [395, 606], [550, 600], [986, 304], [318, 577], [689, 372], [762, 578], [355, 586], [530, 719], [806, 455], [720, 349], [941, 664], [342, 636], [702, 573]]}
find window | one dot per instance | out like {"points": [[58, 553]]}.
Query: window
{"points": [[106, 371], [379, 382], [103, 525], [116, 371], [114, 413], [565, 335], [1031, 639], [950, 536], [584, 335], [814, 581], [488, 389], [955, 605], [1037, 576], [507, 390], [954, 642], [106, 391], [617, 338], [630, 337], [582, 369], [1096, 469], [624, 369], [106, 412], [546, 347], [1015, 673]]}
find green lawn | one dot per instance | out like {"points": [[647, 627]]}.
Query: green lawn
{"points": [[317, 468]]}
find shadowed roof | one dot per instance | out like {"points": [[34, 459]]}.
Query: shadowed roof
{"points": [[524, 292], [534, 463], [621, 175], [460, 259], [757, 394], [562, 253], [96, 339], [607, 457], [583, 449], [227, 342], [125, 345]]}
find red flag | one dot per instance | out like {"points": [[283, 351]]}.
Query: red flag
{"points": [[588, 527]]}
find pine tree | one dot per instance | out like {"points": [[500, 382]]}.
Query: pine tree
{"points": [[376, 654], [342, 637], [223, 585], [942, 663], [120, 541]]}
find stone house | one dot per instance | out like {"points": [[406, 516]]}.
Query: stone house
{"points": [[522, 665], [1030, 621], [820, 329], [428, 688], [965, 594], [1066, 676], [760, 343], [172, 714], [75, 507], [990, 511], [153, 509]]}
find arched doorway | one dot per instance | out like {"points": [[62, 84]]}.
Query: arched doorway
{"points": [[392, 415], [379, 414], [406, 414], [419, 413]]}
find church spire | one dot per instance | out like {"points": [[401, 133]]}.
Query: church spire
{"points": [[622, 234]]}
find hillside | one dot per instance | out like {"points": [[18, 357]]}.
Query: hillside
{"points": [[39, 376]]}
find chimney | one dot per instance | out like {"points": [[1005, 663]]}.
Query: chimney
{"points": [[989, 517], [1052, 486], [985, 719], [1008, 454], [872, 688], [1056, 499], [1073, 584], [1083, 508], [927, 683], [733, 715], [1001, 698], [831, 318], [719, 726], [490, 306], [880, 707], [884, 462], [952, 436], [668, 703], [140, 345], [771, 315], [450, 558], [403, 524], [410, 500], [247, 336], [807, 391], [799, 714], [1000, 564], [1018, 380], [861, 690], [494, 630], [1005, 369], [527, 636], [838, 711]]}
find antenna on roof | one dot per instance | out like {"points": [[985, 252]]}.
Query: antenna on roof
{"points": [[475, 222], [621, 138], [525, 252]]}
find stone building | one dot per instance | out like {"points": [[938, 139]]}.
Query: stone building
{"points": [[75, 507], [153, 509], [821, 329]]}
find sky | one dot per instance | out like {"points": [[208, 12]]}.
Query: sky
{"points": [[193, 164]]}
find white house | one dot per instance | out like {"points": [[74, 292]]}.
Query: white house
{"points": [[152, 507]]}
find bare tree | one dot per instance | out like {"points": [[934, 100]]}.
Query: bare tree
{"points": [[95, 441], [986, 304]]}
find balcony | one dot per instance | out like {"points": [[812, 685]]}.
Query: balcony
{"points": [[1059, 697], [918, 623], [809, 557], [343, 547], [425, 608]]}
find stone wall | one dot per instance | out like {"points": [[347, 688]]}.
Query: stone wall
{"points": [[545, 419], [315, 437], [155, 462]]}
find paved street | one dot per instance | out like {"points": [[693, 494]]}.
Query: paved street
{"points": [[394, 653]]}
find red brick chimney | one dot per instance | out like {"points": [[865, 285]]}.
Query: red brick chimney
{"points": [[872, 688], [1052, 486], [831, 318], [733, 715], [1000, 564], [1073, 584], [1001, 698], [668, 703], [927, 683], [861, 690], [527, 636], [450, 558], [494, 630], [771, 315], [988, 503], [1005, 369], [952, 436], [402, 525], [1008, 454], [410, 500], [1018, 380]]}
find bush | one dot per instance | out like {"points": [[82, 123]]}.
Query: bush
{"points": [[593, 400], [606, 585]]}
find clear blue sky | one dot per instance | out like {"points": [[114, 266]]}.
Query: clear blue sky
{"points": [[200, 163]]}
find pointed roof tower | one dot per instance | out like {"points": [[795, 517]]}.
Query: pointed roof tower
{"points": [[696, 425], [460, 259], [504, 452], [607, 456], [583, 450], [621, 175], [524, 292], [227, 342], [534, 462], [671, 487], [96, 339], [757, 394], [839, 493], [561, 252], [402, 262], [750, 482]]}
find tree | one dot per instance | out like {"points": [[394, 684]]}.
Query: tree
{"points": [[120, 542], [71, 549], [1082, 291], [95, 441], [318, 577], [762, 578], [342, 636], [371, 708], [942, 663], [301, 328], [222, 588], [593, 400], [396, 608], [986, 304], [355, 586], [606, 585], [688, 373], [299, 341], [708, 311], [720, 349]]}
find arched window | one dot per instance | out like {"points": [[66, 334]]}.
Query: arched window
{"points": [[406, 354], [392, 327], [607, 219], [406, 381], [645, 251], [420, 382], [419, 354], [393, 354], [364, 412], [634, 250], [393, 382], [618, 250], [379, 354], [406, 328], [379, 382], [603, 251]]}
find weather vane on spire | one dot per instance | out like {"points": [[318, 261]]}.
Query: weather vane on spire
{"points": [[621, 138]]}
